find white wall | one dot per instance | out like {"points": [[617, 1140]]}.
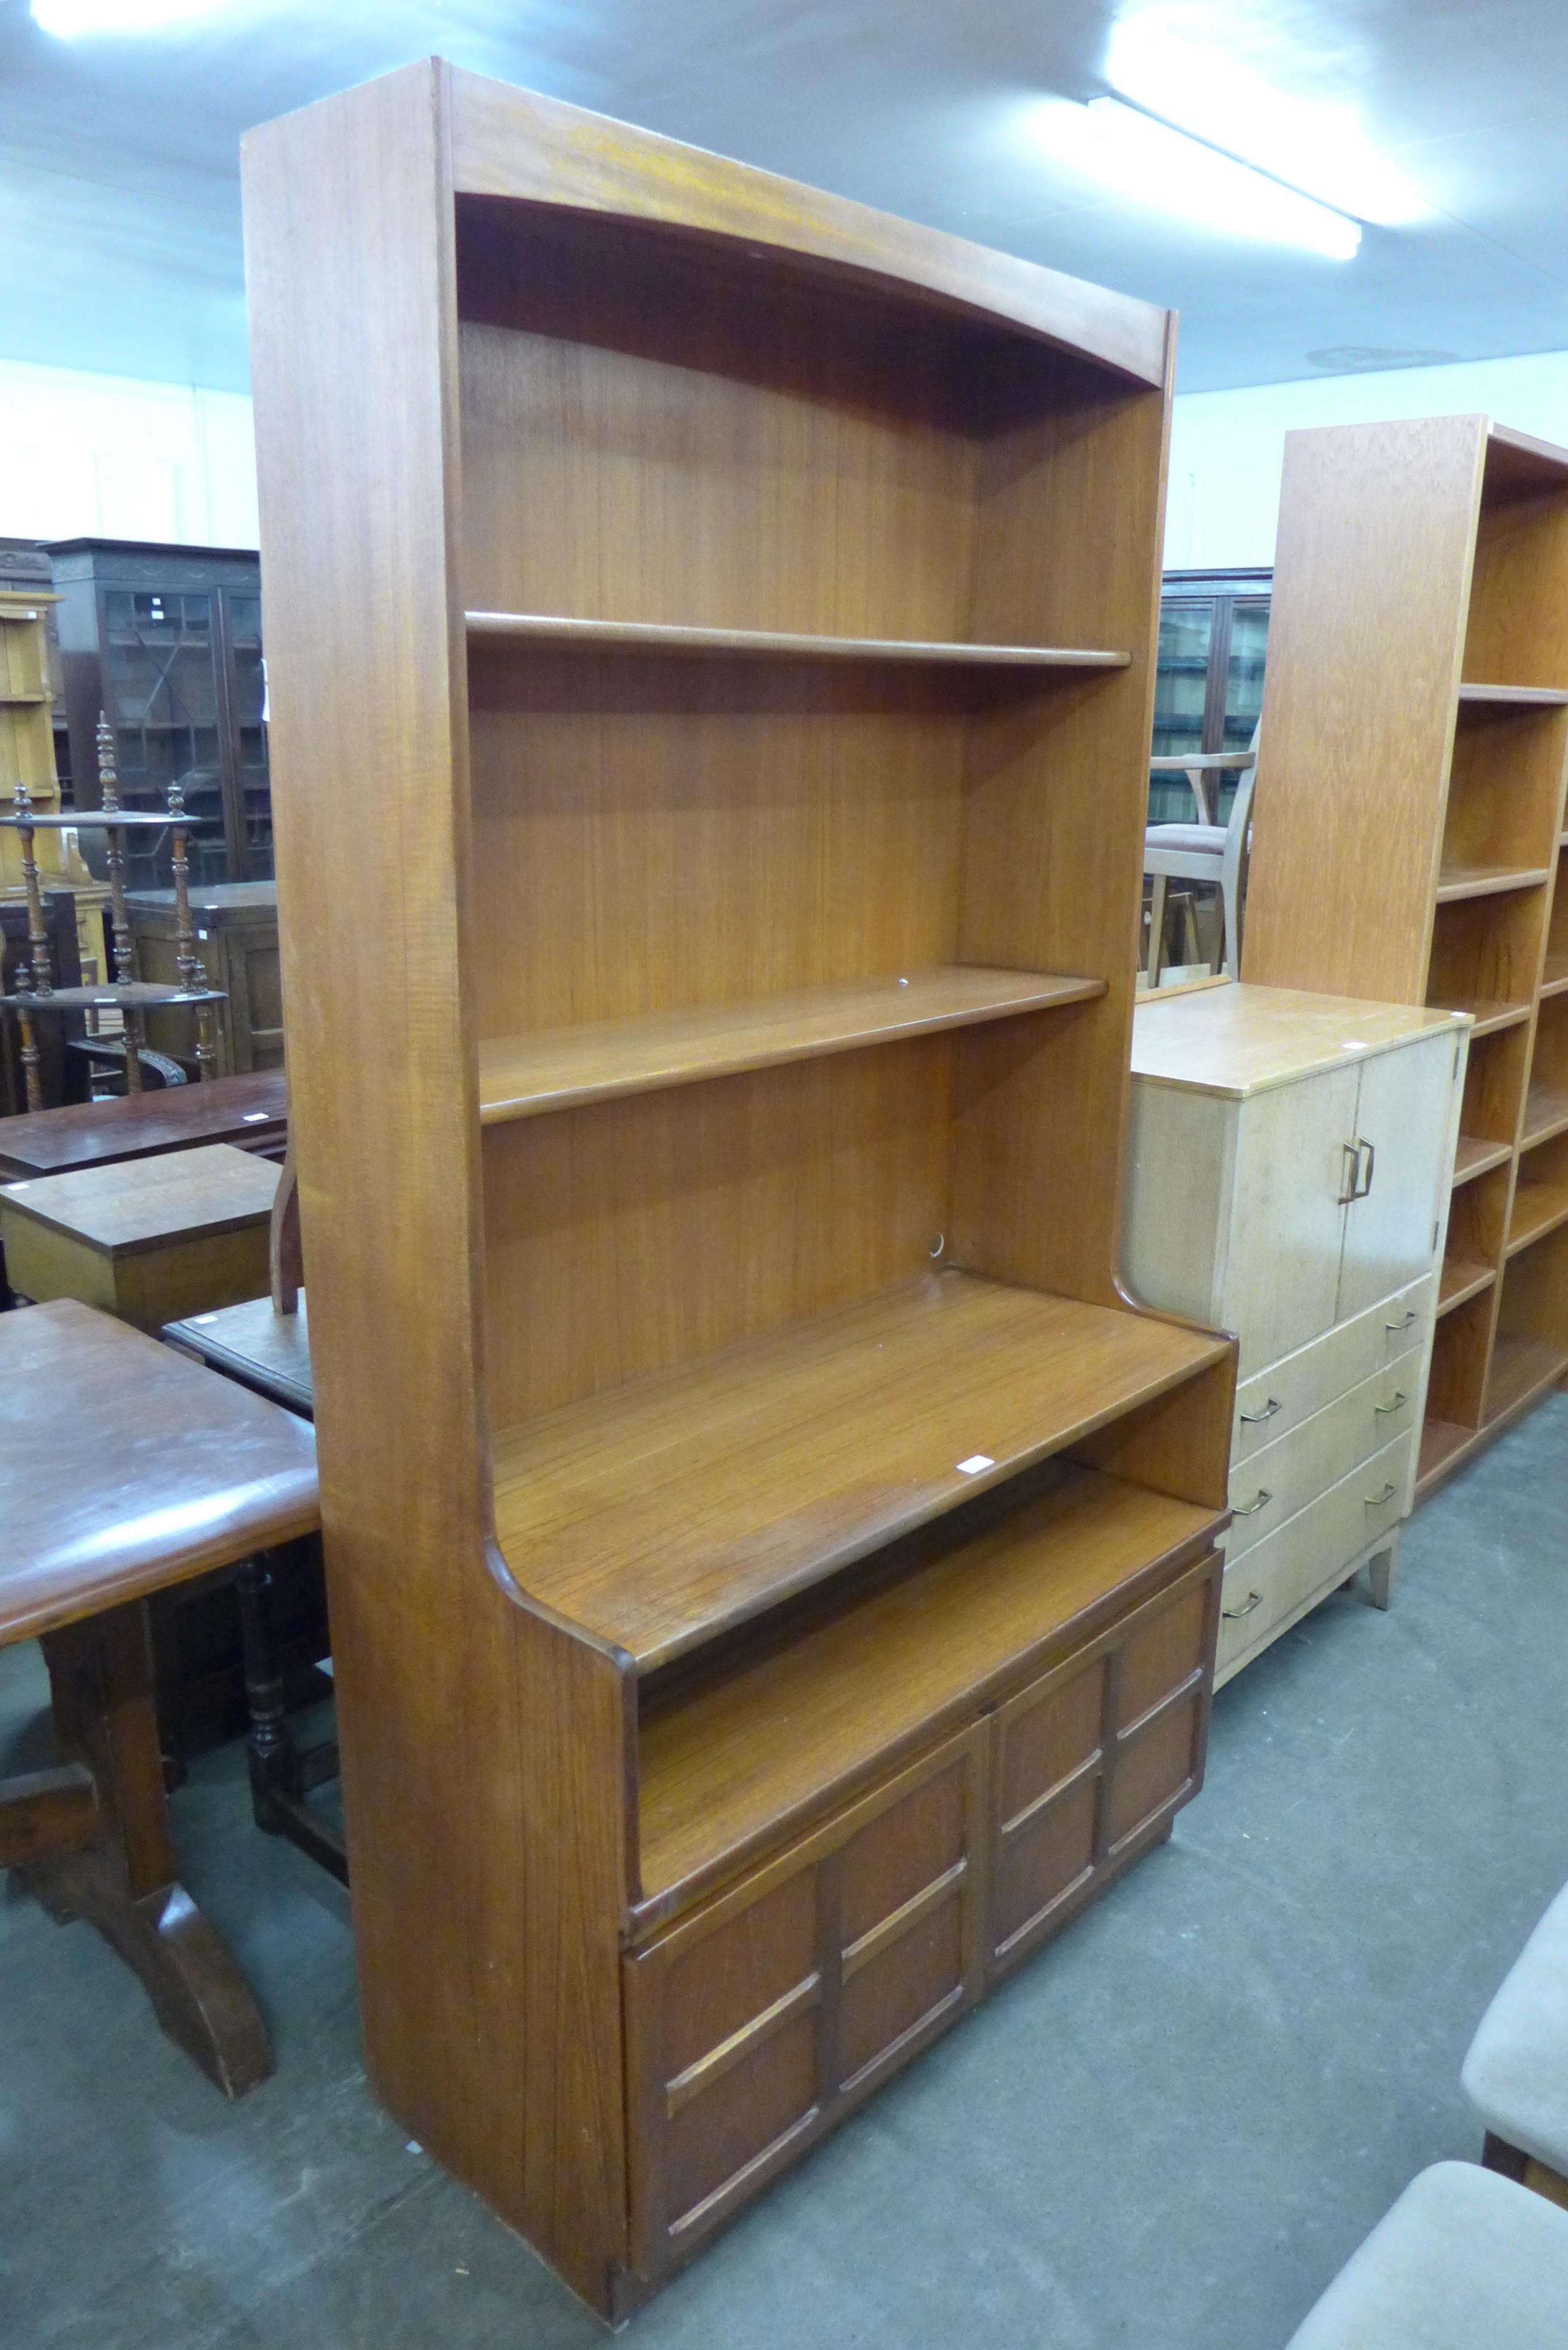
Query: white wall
{"points": [[109, 457], [1227, 447]]}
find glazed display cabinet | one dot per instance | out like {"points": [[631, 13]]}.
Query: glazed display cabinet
{"points": [[1208, 678], [166, 640]]}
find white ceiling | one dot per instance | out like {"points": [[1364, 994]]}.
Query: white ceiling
{"points": [[120, 232]]}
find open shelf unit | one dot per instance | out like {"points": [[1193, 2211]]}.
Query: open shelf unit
{"points": [[1437, 880], [27, 757], [773, 1566]]}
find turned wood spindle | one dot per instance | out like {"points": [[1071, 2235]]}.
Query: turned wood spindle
{"points": [[187, 962], [120, 920]]}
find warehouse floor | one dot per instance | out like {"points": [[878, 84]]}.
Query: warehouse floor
{"points": [[1169, 2131]]}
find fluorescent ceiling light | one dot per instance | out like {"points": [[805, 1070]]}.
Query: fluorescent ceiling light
{"points": [[70, 20], [1149, 163], [1317, 145]]}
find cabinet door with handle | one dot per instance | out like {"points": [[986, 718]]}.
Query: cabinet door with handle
{"points": [[1281, 1279], [1397, 1165]]}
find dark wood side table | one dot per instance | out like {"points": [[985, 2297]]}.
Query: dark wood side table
{"points": [[251, 1112], [126, 1470]]}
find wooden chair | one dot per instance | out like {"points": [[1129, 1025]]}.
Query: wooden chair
{"points": [[1213, 854], [124, 1470]]}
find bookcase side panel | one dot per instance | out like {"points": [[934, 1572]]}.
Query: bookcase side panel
{"points": [[468, 1729], [1372, 573]]}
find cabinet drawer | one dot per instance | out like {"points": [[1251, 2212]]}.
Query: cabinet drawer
{"points": [[1280, 1397], [1279, 1479], [1312, 1552], [752, 2025]]}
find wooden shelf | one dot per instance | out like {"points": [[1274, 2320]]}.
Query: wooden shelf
{"points": [[1519, 697], [1489, 1017], [1461, 1280], [520, 1077], [1476, 1156], [1457, 881], [1538, 1209], [131, 995], [1442, 1443], [16, 701], [1521, 1369], [727, 1763], [663, 1512], [546, 628], [1554, 974], [1545, 1114]]}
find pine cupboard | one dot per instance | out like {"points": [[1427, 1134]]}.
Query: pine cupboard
{"points": [[1289, 1165], [774, 1569]]}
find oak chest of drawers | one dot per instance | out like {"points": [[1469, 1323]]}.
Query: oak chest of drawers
{"points": [[1287, 1170]]}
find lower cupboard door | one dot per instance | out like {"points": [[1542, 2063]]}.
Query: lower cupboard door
{"points": [[1093, 1761], [753, 2024]]}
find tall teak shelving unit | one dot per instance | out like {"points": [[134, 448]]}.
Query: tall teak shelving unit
{"points": [[772, 1565], [1408, 838]]}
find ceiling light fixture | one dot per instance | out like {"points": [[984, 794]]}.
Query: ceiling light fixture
{"points": [[1314, 144], [1151, 163], [72, 20]]}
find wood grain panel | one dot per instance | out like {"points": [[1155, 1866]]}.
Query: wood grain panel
{"points": [[665, 1511], [656, 637], [650, 834], [515, 143], [629, 1236], [1359, 704], [508, 2069]]}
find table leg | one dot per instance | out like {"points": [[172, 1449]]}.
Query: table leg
{"points": [[124, 1882]]}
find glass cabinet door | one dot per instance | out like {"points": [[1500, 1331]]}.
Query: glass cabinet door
{"points": [[1249, 637], [160, 669], [243, 613], [1180, 695]]}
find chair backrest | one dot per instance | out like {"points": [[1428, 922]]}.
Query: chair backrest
{"points": [[1237, 827]]}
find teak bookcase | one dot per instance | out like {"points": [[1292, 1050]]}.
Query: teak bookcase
{"points": [[1408, 838], [772, 1569]]}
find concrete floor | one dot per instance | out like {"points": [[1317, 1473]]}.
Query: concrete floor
{"points": [[1168, 2131]]}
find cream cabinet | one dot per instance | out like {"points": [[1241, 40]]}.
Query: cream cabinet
{"points": [[1288, 1171]]}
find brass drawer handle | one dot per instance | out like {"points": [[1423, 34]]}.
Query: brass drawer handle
{"points": [[1264, 1498], [1250, 1419], [1375, 1501], [1398, 1403], [1253, 1599], [1411, 1316]]}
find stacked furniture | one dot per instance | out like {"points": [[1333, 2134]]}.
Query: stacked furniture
{"points": [[28, 758], [1408, 838], [1289, 1162], [772, 1568]]}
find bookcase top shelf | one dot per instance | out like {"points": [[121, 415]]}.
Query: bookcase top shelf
{"points": [[557, 1068], [1522, 697], [719, 1766], [661, 637], [665, 1511]]}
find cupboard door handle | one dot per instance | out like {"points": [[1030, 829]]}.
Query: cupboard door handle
{"points": [[1264, 1498], [1375, 1501], [1253, 1599], [1411, 1316], [1397, 1404], [1351, 1168], [1371, 1163], [1250, 1419]]}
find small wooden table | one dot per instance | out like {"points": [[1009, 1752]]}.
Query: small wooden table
{"points": [[124, 1470], [150, 1240], [251, 1111]]}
